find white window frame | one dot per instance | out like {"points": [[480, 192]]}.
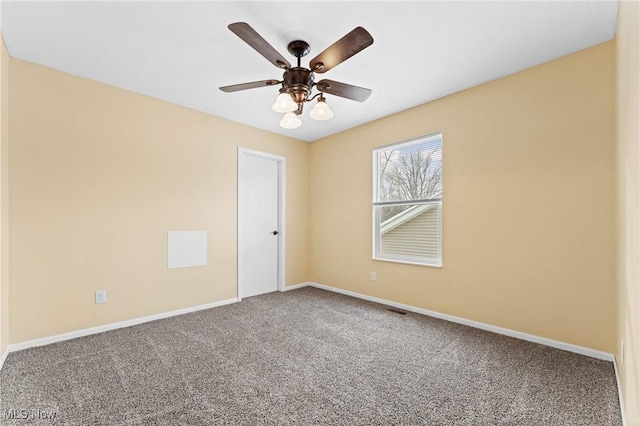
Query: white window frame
{"points": [[434, 263]]}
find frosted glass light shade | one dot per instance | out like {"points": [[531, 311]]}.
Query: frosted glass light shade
{"points": [[284, 103], [290, 121], [321, 111]]}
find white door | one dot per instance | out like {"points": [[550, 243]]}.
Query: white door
{"points": [[258, 222]]}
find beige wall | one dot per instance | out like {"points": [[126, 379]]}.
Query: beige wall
{"points": [[4, 197], [628, 167], [528, 203], [98, 176]]}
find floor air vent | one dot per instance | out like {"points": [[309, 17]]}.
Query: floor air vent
{"points": [[396, 311]]}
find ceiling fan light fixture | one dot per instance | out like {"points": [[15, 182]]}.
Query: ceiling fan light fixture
{"points": [[284, 103], [290, 121], [298, 81], [321, 111]]}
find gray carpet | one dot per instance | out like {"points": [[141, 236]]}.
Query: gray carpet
{"points": [[305, 357]]}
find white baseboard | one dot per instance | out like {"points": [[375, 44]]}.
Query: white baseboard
{"points": [[505, 331], [297, 286], [107, 327], [4, 357], [620, 396]]}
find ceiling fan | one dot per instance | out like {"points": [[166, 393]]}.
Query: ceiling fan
{"points": [[298, 82]]}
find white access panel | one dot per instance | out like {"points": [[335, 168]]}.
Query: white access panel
{"points": [[187, 248]]}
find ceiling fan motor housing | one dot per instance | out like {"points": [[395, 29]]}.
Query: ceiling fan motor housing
{"points": [[298, 81]]}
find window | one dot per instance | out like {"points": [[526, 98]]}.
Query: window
{"points": [[407, 206]]}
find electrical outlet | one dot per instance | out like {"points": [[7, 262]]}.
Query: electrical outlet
{"points": [[101, 296], [373, 276], [315, 268]]}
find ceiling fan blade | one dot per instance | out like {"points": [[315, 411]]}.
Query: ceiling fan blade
{"points": [[341, 50], [251, 85], [255, 40], [343, 90]]}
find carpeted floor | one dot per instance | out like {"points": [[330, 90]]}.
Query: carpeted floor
{"points": [[305, 357]]}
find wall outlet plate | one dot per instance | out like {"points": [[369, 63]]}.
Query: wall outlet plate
{"points": [[101, 296], [373, 276]]}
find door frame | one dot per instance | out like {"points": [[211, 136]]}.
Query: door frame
{"points": [[282, 167]]}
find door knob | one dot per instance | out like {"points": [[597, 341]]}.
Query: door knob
{"points": [[275, 232]]}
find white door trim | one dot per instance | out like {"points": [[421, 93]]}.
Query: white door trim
{"points": [[282, 167]]}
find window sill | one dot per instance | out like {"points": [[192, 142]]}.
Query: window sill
{"points": [[408, 262]]}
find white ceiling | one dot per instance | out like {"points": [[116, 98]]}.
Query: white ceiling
{"points": [[182, 51]]}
